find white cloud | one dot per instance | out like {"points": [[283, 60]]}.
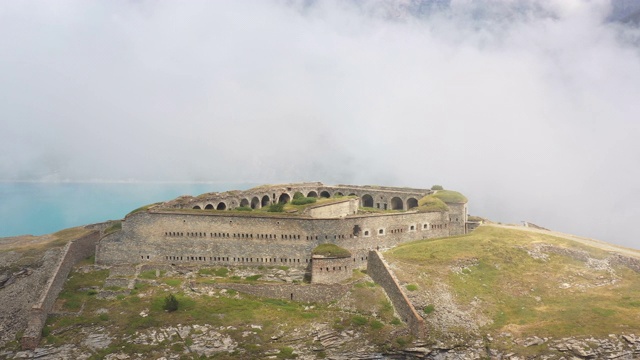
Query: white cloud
{"points": [[526, 106]]}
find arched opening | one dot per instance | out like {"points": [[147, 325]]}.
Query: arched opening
{"points": [[255, 203], [411, 203], [396, 204], [244, 203], [284, 198], [208, 207], [312, 194], [325, 194], [197, 207], [266, 200], [337, 194], [352, 194], [221, 206], [367, 200]]}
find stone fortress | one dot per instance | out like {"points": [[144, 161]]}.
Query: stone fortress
{"points": [[229, 229]]}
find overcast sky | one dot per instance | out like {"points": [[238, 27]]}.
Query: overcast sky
{"points": [[530, 108]]}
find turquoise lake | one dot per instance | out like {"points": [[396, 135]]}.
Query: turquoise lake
{"points": [[42, 208]]}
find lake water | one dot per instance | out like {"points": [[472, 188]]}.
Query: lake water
{"points": [[42, 208]]}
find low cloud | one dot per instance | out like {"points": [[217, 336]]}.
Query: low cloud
{"points": [[528, 107]]}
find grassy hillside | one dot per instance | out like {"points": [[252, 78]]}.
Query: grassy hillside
{"points": [[498, 280]]}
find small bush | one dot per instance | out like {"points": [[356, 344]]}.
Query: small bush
{"points": [[437, 187], [286, 353], [279, 207], [253, 277], [412, 287], [170, 303], [376, 325], [303, 201], [298, 195], [429, 309], [222, 272], [359, 320], [396, 321], [173, 282], [103, 317]]}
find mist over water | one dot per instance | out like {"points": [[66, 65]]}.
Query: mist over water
{"points": [[527, 107], [43, 208]]}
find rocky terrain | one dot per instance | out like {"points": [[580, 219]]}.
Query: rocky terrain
{"points": [[117, 313]]}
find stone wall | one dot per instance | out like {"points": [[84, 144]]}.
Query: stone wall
{"points": [[226, 239], [378, 270], [72, 253], [296, 292], [334, 210], [330, 270], [370, 196]]}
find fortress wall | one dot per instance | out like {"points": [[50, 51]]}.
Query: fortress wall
{"points": [[379, 271], [72, 253], [330, 270], [381, 195], [334, 210], [225, 239], [458, 219], [296, 292]]}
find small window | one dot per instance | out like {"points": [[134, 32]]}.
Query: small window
{"points": [[381, 232], [366, 233]]}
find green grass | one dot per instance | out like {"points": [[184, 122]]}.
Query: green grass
{"points": [[521, 294], [431, 203], [113, 227], [450, 196], [331, 250]]}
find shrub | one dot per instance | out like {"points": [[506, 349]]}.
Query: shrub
{"points": [[222, 272], [279, 207], [298, 195], [412, 287], [359, 320], [253, 277], [303, 201], [170, 303], [376, 325], [437, 187], [286, 353], [429, 309]]}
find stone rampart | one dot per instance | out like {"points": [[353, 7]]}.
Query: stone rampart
{"points": [[334, 210], [330, 270], [378, 270], [72, 253], [226, 239], [387, 198], [297, 292]]}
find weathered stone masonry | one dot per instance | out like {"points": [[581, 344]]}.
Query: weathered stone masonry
{"points": [[187, 230], [72, 253], [380, 273]]}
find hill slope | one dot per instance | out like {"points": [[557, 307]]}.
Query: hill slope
{"points": [[522, 282]]}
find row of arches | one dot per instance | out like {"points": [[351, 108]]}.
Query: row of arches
{"points": [[366, 200], [396, 203]]}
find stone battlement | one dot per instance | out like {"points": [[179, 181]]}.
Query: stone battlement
{"points": [[202, 231]]}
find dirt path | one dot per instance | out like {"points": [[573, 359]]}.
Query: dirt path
{"points": [[590, 242]]}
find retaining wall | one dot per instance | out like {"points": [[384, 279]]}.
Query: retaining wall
{"points": [[379, 271], [296, 292], [72, 253], [226, 239]]}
